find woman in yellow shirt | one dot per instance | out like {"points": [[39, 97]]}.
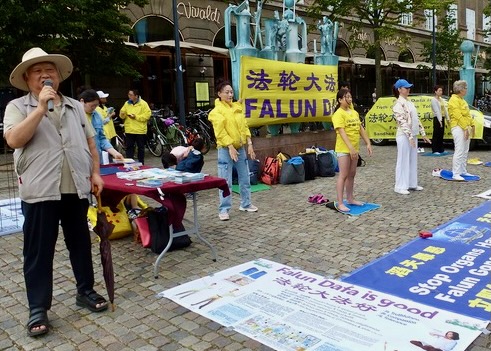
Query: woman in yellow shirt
{"points": [[463, 129], [234, 145], [348, 128]]}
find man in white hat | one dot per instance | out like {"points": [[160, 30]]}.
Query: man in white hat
{"points": [[57, 166], [107, 114]]}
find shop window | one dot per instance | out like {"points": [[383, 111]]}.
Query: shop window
{"points": [[342, 49], [152, 28], [371, 53], [406, 56]]}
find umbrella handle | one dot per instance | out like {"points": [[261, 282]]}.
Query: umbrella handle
{"points": [[99, 203]]}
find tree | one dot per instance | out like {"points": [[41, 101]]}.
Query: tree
{"points": [[382, 16], [90, 32], [487, 12], [448, 43]]}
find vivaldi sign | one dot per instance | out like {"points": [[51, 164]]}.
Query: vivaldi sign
{"points": [[205, 13]]}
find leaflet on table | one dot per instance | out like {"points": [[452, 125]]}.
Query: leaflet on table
{"points": [[151, 182], [156, 173], [182, 177], [163, 175]]}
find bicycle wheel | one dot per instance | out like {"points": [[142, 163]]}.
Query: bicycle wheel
{"points": [[175, 137], [155, 146], [120, 144]]}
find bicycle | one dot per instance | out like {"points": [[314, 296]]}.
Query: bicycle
{"points": [[155, 139], [169, 130], [120, 143], [155, 142], [198, 121]]}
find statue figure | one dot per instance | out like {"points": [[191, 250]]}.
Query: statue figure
{"points": [[257, 29], [281, 34], [326, 29]]}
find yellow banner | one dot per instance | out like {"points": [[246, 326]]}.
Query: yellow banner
{"points": [[275, 92], [381, 124]]}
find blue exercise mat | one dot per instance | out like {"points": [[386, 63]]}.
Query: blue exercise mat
{"points": [[447, 175], [444, 153], [355, 210]]}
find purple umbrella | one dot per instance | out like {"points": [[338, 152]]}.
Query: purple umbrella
{"points": [[104, 229]]}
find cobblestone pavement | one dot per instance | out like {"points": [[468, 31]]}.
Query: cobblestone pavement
{"points": [[287, 229]]}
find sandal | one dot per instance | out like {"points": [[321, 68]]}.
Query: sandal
{"points": [[90, 301], [321, 200], [38, 318], [314, 198]]}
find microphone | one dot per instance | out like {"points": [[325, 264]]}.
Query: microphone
{"points": [[49, 83]]}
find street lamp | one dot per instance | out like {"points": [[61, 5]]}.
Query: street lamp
{"points": [[179, 70]]}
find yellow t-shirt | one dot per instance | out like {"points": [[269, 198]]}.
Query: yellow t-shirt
{"points": [[350, 122]]}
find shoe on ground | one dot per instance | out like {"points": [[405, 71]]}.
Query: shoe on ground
{"points": [[467, 175], [458, 177], [436, 172], [417, 188], [401, 191], [251, 208], [224, 216]]}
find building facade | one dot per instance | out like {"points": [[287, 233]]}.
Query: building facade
{"points": [[205, 57]]}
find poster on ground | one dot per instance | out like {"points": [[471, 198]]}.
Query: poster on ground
{"points": [[290, 309], [11, 217], [449, 271]]}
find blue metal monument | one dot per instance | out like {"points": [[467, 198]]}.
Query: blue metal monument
{"points": [[285, 39], [468, 72]]}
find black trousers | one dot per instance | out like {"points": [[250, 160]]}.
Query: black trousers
{"points": [[41, 226], [139, 140], [437, 139]]}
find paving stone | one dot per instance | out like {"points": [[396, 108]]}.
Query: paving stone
{"points": [[310, 237]]}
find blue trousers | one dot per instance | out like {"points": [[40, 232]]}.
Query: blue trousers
{"points": [[41, 226], [225, 165]]}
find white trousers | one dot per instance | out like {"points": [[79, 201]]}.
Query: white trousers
{"points": [[461, 151], [407, 164]]}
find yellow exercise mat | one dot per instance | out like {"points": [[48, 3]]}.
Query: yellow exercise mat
{"points": [[474, 161]]}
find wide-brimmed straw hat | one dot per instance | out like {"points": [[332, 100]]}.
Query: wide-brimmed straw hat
{"points": [[38, 55]]}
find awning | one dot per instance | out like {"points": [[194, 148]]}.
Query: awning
{"points": [[209, 48], [411, 65], [364, 61], [188, 47]]}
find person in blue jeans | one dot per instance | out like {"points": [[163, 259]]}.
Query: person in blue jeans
{"points": [[234, 146]]}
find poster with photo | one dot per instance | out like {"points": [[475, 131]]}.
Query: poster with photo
{"points": [[287, 308]]}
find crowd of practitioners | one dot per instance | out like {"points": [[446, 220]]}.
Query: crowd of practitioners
{"points": [[59, 144]]}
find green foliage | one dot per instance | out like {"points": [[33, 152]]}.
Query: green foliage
{"points": [[448, 42], [487, 63], [382, 16], [90, 32]]}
